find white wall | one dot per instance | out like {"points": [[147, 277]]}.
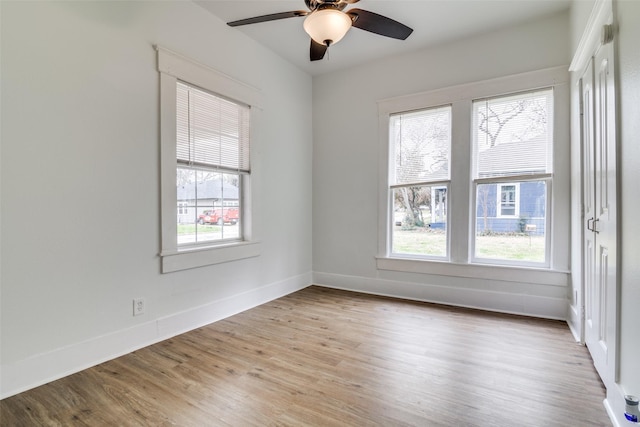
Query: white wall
{"points": [[627, 14], [80, 182], [345, 159]]}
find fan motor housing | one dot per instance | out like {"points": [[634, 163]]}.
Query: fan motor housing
{"points": [[325, 4]]}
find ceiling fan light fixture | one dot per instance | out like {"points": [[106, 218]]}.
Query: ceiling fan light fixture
{"points": [[327, 26]]}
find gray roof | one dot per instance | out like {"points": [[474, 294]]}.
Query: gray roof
{"points": [[513, 158], [208, 190]]}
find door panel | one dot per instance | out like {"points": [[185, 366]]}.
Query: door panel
{"points": [[600, 235], [588, 137]]}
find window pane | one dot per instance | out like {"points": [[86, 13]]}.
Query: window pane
{"points": [[208, 206], [420, 221], [511, 221], [421, 142], [513, 135]]}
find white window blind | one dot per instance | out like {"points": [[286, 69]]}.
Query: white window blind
{"points": [[212, 132], [513, 135], [421, 142]]}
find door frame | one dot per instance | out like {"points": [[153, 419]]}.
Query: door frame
{"points": [[592, 39]]}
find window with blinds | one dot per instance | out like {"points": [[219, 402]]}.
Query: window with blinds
{"points": [[212, 153], [513, 135], [512, 167], [420, 143], [212, 132]]}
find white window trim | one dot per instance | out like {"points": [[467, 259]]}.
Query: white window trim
{"points": [[460, 215], [174, 67], [516, 200]]}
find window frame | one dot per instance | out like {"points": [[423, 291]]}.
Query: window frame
{"points": [[172, 68], [516, 199], [461, 197]]}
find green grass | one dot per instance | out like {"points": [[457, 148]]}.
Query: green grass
{"points": [[420, 241], [513, 247], [191, 228], [196, 233]]}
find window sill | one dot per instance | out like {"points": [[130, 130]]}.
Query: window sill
{"points": [[539, 276], [184, 259]]}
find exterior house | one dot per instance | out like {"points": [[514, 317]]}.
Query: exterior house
{"points": [[511, 207], [194, 198], [439, 207], [518, 206]]}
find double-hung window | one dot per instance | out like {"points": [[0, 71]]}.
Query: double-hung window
{"points": [[467, 175], [419, 181], [512, 173], [212, 152], [207, 132]]}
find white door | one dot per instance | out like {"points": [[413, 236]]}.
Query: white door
{"points": [[600, 212]]}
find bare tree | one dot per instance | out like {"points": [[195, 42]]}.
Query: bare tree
{"points": [[186, 176], [494, 116], [485, 203], [411, 199], [422, 153]]}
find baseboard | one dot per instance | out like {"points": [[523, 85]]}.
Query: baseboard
{"points": [[611, 412], [43, 368], [503, 302], [574, 322], [614, 403]]}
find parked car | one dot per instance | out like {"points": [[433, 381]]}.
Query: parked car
{"points": [[219, 216]]}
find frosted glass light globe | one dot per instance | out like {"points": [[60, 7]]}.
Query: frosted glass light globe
{"points": [[327, 26]]}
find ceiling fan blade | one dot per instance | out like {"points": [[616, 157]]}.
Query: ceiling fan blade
{"points": [[378, 24], [270, 17], [317, 50]]}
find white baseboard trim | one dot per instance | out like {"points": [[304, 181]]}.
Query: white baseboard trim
{"points": [[614, 403], [503, 302], [611, 413], [50, 366], [575, 323]]}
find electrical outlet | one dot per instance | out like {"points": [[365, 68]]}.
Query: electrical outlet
{"points": [[138, 306]]}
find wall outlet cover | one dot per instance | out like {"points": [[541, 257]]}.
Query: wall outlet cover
{"points": [[139, 306]]}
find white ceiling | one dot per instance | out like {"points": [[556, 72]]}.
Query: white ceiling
{"points": [[433, 21]]}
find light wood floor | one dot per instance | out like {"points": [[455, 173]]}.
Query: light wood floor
{"points": [[323, 357]]}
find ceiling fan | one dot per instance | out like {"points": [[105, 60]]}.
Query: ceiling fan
{"points": [[326, 23]]}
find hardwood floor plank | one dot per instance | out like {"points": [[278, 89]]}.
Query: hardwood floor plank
{"points": [[323, 357]]}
